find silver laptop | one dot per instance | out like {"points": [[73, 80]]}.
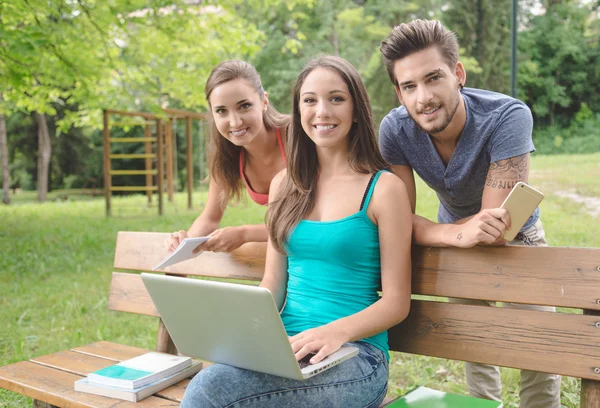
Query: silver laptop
{"points": [[232, 324]]}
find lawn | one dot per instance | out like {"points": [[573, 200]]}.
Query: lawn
{"points": [[56, 259]]}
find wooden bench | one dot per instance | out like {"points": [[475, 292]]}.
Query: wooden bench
{"points": [[561, 343]]}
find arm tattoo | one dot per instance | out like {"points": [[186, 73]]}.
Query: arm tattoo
{"points": [[459, 236], [504, 174]]}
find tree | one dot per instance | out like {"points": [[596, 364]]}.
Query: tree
{"points": [[559, 68], [124, 54], [4, 161]]}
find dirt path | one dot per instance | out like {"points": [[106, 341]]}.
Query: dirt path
{"points": [[590, 204]]}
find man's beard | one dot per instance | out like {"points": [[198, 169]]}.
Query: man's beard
{"points": [[444, 125]]}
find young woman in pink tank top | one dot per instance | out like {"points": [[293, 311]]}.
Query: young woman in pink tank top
{"points": [[246, 151]]}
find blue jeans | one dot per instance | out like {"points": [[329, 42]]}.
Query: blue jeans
{"points": [[358, 382]]}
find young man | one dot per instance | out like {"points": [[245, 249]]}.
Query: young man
{"points": [[469, 145]]}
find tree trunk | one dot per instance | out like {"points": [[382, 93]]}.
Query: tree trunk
{"points": [[4, 161], [44, 153]]}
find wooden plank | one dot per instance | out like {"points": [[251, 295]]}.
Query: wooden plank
{"points": [[106, 161], [169, 158], [164, 342], [132, 156], [124, 113], [179, 113], [133, 172], [590, 389], [131, 139], [128, 294], [189, 160], [142, 250], [148, 162], [72, 362], [159, 165], [56, 387], [110, 350], [566, 344], [84, 363], [554, 276], [133, 188]]}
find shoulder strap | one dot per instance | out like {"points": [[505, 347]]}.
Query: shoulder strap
{"points": [[281, 149], [369, 191]]}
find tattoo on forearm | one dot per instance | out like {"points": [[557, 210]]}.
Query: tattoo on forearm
{"points": [[504, 174], [459, 236]]}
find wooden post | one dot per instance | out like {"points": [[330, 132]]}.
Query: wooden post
{"points": [[148, 150], [159, 165], [164, 342], [590, 389], [106, 161], [169, 154], [190, 164]]}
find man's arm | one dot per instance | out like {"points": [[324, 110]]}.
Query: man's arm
{"points": [[502, 177], [485, 227]]}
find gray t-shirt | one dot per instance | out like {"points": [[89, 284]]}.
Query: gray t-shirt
{"points": [[498, 127]]}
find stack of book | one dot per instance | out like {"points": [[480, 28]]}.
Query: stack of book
{"points": [[139, 377]]}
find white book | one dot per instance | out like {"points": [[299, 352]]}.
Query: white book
{"points": [[136, 394], [183, 252], [141, 370]]}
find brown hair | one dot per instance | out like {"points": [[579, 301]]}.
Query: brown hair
{"points": [[224, 156], [408, 38], [297, 192]]}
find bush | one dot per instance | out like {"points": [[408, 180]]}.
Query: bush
{"points": [[581, 136]]}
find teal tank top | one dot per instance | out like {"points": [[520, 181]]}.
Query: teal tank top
{"points": [[334, 271]]}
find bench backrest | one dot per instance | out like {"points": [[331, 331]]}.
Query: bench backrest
{"points": [[561, 343]]}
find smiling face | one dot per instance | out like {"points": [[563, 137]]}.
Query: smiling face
{"points": [[429, 89], [237, 110], [326, 108]]}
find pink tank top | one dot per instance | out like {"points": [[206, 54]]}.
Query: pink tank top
{"points": [[259, 198]]}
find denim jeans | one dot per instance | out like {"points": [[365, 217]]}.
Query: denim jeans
{"points": [[358, 382]]}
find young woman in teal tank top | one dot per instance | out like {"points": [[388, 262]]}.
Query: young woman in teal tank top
{"points": [[339, 229]]}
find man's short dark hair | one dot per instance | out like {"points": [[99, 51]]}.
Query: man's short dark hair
{"points": [[408, 38]]}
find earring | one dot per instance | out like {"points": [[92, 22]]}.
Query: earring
{"points": [[265, 109], [355, 120]]}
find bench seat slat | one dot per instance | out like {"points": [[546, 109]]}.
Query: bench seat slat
{"points": [[74, 363], [141, 251], [56, 387], [110, 350], [83, 363], [566, 344], [565, 277]]}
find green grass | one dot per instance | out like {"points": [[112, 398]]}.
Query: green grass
{"points": [[56, 259]]}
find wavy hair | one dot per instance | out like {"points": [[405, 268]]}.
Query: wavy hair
{"points": [[296, 196], [224, 156], [408, 38]]}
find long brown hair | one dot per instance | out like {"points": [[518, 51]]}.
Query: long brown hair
{"points": [[224, 156], [417, 35], [296, 196]]}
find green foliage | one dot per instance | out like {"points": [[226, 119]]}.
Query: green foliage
{"points": [[581, 136], [560, 63]]}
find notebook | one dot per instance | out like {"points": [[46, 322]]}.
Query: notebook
{"points": [[423, 397], [182, 253], [232, 324]]}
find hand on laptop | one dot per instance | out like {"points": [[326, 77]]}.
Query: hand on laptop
{"points": [[322, 341]]}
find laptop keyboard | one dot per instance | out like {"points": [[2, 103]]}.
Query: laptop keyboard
{"points": [[304, 361]]}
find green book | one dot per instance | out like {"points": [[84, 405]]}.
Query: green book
{"points": [[423, 397]]}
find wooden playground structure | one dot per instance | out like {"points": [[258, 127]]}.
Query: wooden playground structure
{"points": [[158, 154]]}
